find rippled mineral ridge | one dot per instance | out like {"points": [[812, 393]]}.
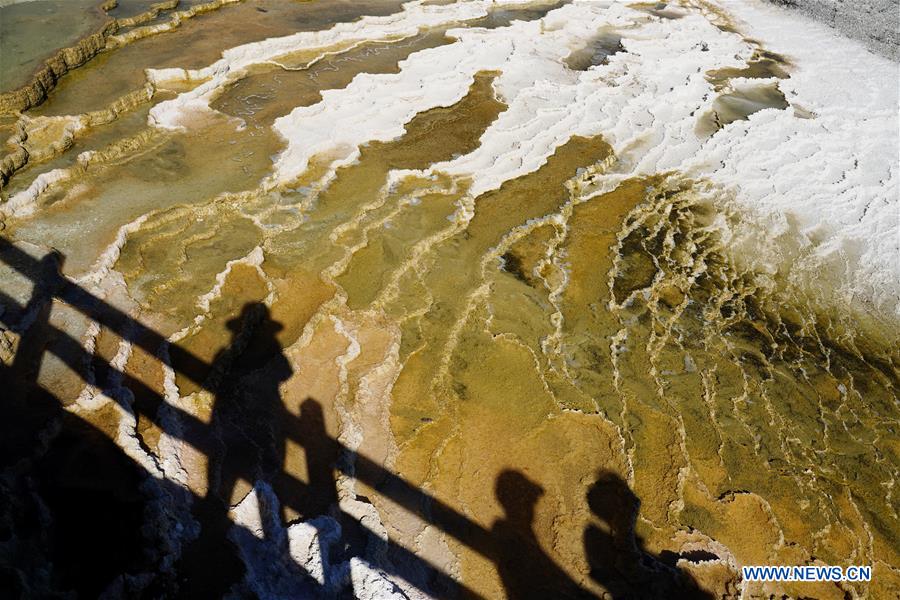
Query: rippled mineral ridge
{"points": [[490, 298]]}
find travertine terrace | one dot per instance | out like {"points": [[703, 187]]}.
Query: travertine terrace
{"points": [[474, 298]]}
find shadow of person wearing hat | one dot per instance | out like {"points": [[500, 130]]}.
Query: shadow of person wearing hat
{"points": [[248, 444], [526, 571], [247, 417]]}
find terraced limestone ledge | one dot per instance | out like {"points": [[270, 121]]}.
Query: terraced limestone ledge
{"points": [[42, 138], [44, 80]]}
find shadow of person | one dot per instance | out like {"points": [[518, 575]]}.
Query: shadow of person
{"points": [[525, 569], [616, 555], [248, 441], [248, 414]]}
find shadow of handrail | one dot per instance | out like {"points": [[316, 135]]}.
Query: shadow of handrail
{"points": [[402, 492], [147, 403]]}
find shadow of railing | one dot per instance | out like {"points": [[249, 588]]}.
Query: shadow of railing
{"points": [[50, 283], [502, 544]]}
